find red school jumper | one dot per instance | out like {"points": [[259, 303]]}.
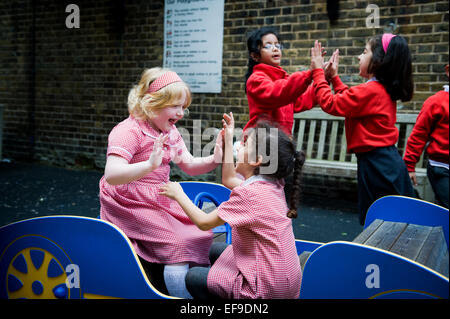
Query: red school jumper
{"points": [[275, 95], [431, 126], [370, 114]]}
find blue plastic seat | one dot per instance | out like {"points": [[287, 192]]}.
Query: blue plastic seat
{"points": [[200, 192], [70, 257], [344, 270]]}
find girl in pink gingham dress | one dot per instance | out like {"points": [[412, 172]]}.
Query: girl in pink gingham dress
{"points": [[140, 149], [262, 261]]}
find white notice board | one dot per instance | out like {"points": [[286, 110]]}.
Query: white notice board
{"points": [[193, 40]]}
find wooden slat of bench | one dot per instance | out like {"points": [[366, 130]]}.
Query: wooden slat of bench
{"points": [[443, 266], [330, 168], [333, 137], [409, 128], [312, 133], [323, 133], [434, 253], [386, 235], [301, 134], [366, 233], [429, 252], [406, 118], [343, 151], [411, 241], [317, 114]]}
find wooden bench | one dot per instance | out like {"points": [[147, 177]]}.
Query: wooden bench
{"points": [[423, 244], [322, 137]]}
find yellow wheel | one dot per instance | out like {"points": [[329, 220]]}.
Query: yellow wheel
{"points": [[36, 273]]}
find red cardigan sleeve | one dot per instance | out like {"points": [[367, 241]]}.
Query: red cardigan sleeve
{"points": [[271, 94], [347, 102], [306, 101], [419, 135]]}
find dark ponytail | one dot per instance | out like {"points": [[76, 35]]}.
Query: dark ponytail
{"points": [[288, 160], [254, 43], [298, 165], [393, 69]]}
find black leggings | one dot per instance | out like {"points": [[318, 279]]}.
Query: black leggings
{"points": [[196, 278]]}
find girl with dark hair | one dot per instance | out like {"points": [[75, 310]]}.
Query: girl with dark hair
{"points": [[272, 93], [262, 262], [370, 114]]}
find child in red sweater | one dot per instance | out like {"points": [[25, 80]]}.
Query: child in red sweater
{"points": [[274, 95], [432, 127], [370, 115]]}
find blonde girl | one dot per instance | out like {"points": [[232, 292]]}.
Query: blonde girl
{"points": [[140, 149]]}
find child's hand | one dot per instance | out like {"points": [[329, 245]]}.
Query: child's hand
{"points": [[156, 156], [228, 125], [413, 177], [172, 190], [218, 148], [331, 67], [317, 56]]}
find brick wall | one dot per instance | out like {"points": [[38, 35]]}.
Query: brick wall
{"points": [[63, 89]]}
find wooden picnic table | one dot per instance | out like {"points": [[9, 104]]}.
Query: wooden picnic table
{"points": [[423, 244]]}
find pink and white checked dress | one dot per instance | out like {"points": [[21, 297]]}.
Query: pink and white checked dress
{"points": [[157, 226], [262, 262]]}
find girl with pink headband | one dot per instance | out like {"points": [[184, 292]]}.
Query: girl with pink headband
{"points": [[370, 114], [140, 149]]}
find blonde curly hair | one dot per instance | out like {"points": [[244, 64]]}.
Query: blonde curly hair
{"points": [[143, 105]]}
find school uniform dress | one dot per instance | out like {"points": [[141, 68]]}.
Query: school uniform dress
{"points": [[156, 225], [370, 116], [432, 127], [274, 95], [262, 261]]}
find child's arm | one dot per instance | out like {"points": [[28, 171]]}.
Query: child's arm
{"points": [[346, 102], [271, 94], [118, 171], [229, 178], [201, 219], [201, 165], [306, 101], [419, 137]]}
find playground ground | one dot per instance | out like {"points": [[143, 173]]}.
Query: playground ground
{"points": [[34, 190]]}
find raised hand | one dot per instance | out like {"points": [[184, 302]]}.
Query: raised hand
{"points": [[317, 56], [218, 148], [156, 156], [331, 67], [228, 125]]}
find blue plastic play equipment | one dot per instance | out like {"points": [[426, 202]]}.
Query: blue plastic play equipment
{"points": [[344, 270], [200, 192], [72, 257]]}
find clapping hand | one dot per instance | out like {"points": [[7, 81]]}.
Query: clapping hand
{"points": [[156, 156], [317, 56], [331, 67]]}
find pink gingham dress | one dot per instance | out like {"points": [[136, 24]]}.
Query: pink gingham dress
{"points": [[262, 262], [157, 226]]}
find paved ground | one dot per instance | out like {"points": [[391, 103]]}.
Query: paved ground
{"points": [[33, 190]]}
